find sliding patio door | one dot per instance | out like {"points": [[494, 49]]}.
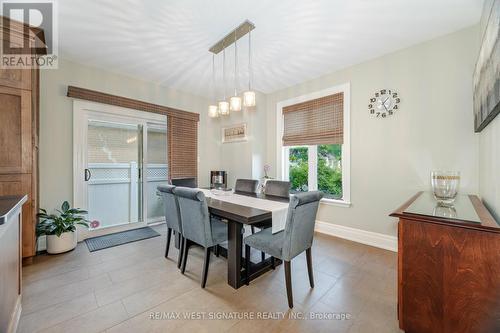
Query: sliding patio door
{"points": [[120, 159], [113, 173], [156, 170]]}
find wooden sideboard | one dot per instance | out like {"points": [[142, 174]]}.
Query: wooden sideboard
{"points": [[19, 137], [448, 266], [10, 261]]}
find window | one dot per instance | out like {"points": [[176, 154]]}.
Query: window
{"points": [[317, 167], [298, 168], [313, 145]]}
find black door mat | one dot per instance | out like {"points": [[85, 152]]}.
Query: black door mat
{"points": [[119, 238]]}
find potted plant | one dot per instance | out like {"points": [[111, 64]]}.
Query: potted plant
{"points": [[60, 228]]}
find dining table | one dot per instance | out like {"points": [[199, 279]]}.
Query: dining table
{"points": [[237, 216]]}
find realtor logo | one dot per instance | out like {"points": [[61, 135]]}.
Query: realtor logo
{"points": [[29, 34]]}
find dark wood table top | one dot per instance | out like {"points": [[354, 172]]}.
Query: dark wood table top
{"points": [[240, 213], [486, 221]]}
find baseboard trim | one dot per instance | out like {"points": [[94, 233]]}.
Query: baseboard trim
{"points": [[382, 241]]}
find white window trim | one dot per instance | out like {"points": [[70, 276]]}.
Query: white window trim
{"points": [[282, 172], [82, 111]]}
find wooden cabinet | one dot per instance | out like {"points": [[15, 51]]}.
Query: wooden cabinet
{"points": [[19, 145], [16, 78], [16, 151], [448, 268]]}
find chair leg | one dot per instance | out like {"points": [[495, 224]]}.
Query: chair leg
{"points": [[179, 258], [169, 235], [205, 267], [185, 249], [288, 280], [253, 229], [217, 250], [310, 267], [262, 256], [247, 264]]}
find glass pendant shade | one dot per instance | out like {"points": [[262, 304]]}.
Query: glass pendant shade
{"points": [[223, 108], [235, 103], [249, 98], [213, 111]]}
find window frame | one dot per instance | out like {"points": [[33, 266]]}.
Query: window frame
{"points": [[282, 152]]}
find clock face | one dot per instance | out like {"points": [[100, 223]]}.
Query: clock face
{"points": [[384, 103]]}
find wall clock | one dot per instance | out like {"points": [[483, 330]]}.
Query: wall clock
{"points": [[384, 104]]}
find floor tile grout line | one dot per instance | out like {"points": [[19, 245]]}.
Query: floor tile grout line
{"points": [[54, 275], [148, 309], [134, 293], [59, 286], [58, 303], [73, 317]]}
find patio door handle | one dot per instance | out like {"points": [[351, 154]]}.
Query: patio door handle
{"points": [[88, 174]]}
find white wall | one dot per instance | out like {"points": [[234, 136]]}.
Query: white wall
{"points": [[489, 167], [391, 158], [243, 159], [56, 123]]}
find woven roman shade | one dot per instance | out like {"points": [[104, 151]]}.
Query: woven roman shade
{"points": [[182, 148], [314, 122], [182, 129]]}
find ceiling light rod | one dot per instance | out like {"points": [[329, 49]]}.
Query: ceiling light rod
{"points": [[232, 37]]}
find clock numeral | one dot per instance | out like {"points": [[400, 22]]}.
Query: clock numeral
{"points": [[378, 114], [377, 94], [395, 107], [391, 112], [382, 92], [384, 115], [398, 100], [395, 95], [372, 100], [372, 111], [370, 106], [389, 92]]}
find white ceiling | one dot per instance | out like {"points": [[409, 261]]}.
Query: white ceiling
{"points": [[295, 40]]}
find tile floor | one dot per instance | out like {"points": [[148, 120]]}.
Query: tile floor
{"points": [[133, 288]]}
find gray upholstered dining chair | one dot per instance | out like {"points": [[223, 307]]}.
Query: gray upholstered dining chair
{"points": [[184, 182], [198, 227], [246, 185], [296, 238], [277, 188], [250, 186], [172, 217]]}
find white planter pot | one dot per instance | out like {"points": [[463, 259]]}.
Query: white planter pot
{"points": [[66, 242]]}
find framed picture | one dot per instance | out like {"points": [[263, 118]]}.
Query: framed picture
{"points": [[234, 133], [487, 72]]}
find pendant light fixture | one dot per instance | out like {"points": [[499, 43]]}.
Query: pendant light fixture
{"points": [[224, 105], [235, 101], [213, 110], [249, 95]]}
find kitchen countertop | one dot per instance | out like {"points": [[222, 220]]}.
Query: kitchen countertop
{"points": [[10, 204]]}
